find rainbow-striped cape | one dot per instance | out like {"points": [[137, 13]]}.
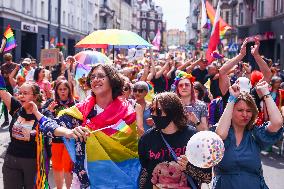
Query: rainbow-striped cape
{"points": [[111, 154]]}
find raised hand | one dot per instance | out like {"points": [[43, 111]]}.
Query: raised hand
{"points": [[243, 50], [234, 90], [255, 47], [262, 88]]}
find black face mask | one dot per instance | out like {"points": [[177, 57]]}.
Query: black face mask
{"points": [[161, 122], [27, 117]]}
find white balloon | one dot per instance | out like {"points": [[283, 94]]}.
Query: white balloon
{"points": [[205, 149]]}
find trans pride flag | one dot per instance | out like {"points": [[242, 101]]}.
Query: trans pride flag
{"points": [[111, 152]]}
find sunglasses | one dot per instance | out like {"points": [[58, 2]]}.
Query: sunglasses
{"points": [[157, 110], [181, 85], [138, 90]]}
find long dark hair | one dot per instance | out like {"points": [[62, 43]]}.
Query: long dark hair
{"points": [[116, 81], [172, 105], [36, 73], [64, 82]]}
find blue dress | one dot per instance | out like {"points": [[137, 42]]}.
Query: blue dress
{"points": [[241, 165]]}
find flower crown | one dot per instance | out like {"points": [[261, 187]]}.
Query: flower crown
{"points": [[184, 75]]}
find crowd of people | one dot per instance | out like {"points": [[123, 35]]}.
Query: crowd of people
{"points": [[162, 103]]}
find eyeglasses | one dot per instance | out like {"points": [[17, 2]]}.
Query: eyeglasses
{"points": [[98, 76], [138, 90], [181, 85], [157, 110]]}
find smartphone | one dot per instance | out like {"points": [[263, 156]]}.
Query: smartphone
{"points": [[189, 108]]}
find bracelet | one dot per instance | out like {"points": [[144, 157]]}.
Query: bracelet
{"points": [[232, 99], [265, 96]]}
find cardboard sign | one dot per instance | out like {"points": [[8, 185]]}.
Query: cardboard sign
{"points": [[49, 57]]}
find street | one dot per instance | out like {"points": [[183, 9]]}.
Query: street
{"points": [[273, 164]]}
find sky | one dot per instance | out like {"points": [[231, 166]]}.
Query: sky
{"points": [[175, 12]]}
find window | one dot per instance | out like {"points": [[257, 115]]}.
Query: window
{"points": [[152, 15], [42, 9], [261, 8], [227, 15], [31, 8], [160, 26], [152, 25], [241, 14], [144, 24], [152, 35], [55, 15], [64, 14], [144, 34], [24, 6], [144, 14]]}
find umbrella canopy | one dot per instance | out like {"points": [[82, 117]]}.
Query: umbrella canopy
{"points": [[113, 38], [91, 57], [87, 58]]}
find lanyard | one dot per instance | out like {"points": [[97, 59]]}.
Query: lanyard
{"points": [[190, 180]]}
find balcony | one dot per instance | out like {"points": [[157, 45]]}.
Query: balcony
{"points": [[105, 10]]}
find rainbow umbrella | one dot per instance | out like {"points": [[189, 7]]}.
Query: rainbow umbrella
{"points": [[85, 59], [113, 38]]}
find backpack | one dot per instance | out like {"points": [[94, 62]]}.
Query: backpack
{"points": [[215, 110]]}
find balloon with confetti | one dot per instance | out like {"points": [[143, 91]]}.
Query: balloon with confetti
{"points": [[205, 149]]}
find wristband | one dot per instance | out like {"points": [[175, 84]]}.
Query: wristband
{"points": [[2, 83], [232, 99], [265, 96], [43, 119]]}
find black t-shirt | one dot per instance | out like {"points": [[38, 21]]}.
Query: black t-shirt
{"points": [[154, 154], [200, 75], [214, 86], [19, 147], [163, 84]]}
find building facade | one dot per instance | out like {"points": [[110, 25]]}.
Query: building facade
{"points": [[116, 14], [264, 19], [150, 20], [176, 37], [36, 23]]}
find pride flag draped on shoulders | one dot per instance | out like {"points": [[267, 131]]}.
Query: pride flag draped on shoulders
{"points": [[111, 151]]}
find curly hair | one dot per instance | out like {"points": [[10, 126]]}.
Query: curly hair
{"points": [[116, 81], [249, 100], [171, 105]]}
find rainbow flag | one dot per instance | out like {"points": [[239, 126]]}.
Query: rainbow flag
{"points": [[10, 39], [112, 152], [224, 27]]}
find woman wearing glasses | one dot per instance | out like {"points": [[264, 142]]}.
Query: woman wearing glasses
{"points": [[196, 110], [160, 167], [142, 107], [20, 163], [109, 122]]}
